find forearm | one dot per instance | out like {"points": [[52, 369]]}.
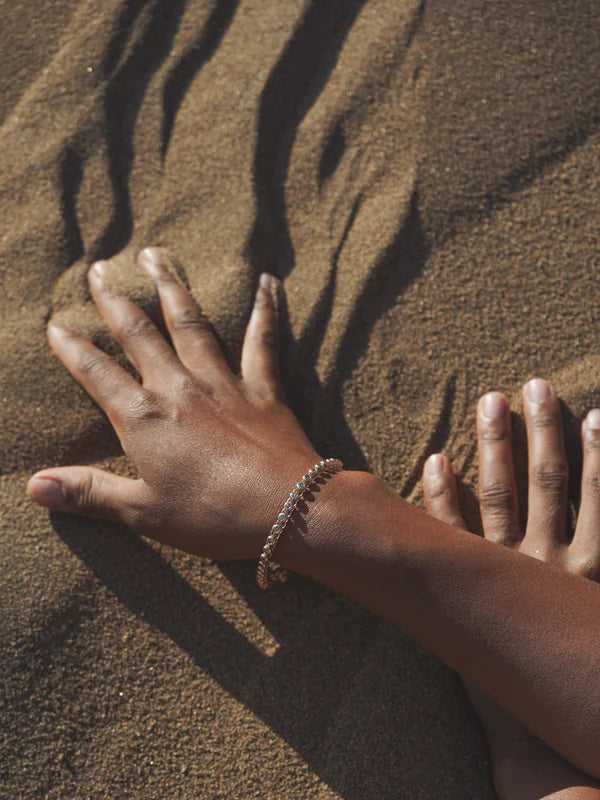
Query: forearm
{"points": [[531, 644]]}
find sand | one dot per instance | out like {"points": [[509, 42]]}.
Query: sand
{"points": [[424, 179]]}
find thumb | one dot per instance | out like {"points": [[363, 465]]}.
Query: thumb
{"points": [[90, 492]]}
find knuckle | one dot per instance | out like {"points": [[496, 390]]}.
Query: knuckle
{"points": [[186, 319], [267, 338], [493, 436], [439, 491], [185, 384], [544, 419], [271, 396], [166, 278], [592, 485], [136, 328], [496, 498], [95, 364], [268, 395], [264, 302], [79, 494], [501, 536], [549, 476], [591, 442], [143, 407], [183, 389], [184, 392], [494, 431], [585, 566]]}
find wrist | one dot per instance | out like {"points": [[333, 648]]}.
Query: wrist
{"points": [[319, 531]]}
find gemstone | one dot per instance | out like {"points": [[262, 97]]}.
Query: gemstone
{"points": [[295, 495], [301, 485], [276, 528], [312, 471], [282, 517], [306, 478], [288, 506], [271, 539]]}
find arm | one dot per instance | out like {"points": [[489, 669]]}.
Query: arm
{"points": [[217, 453], [523, 767], [532, 643]]}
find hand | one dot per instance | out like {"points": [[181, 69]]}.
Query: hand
{"points": [[217, 453], [523, 766], [545, 536]]}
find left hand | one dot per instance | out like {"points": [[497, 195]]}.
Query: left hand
{"points": [[217, 453]]}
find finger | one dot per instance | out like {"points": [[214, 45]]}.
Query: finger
{"points": [[548, 470], [103, 379], [584, 552], [441, 497], [192, 334], [142, 342], [260, 354], [90, 492], [497, 490]]}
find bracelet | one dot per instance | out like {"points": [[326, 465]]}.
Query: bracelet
{"points": [[265, 567]]}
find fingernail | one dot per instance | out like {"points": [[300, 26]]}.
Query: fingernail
{"points": [[46, 492], [56, 330], [100, 268], [151, 260], [435, 464], [492, 405], [538, 390], [265, 281], [592, 421]]}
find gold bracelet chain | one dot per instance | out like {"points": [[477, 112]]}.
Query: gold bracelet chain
{"points": [[264, 571]]}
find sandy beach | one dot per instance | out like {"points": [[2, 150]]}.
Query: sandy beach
{"points": [[423, 178]]}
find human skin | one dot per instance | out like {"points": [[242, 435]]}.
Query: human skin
{"points": [[217, 453], [524, 767]]}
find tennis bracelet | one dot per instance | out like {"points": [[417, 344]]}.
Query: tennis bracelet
{"points": [[264, 574]]}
